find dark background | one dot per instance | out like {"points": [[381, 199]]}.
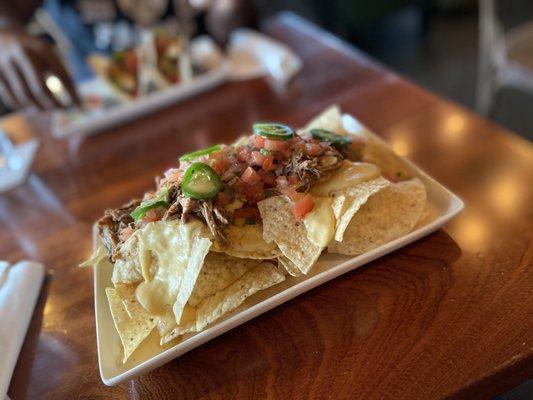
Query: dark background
{"points": [[434, 43], [431, 42]]}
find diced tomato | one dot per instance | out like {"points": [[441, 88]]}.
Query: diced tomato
{"points": [[276, 145], [251, 192], [247, 212], [223, 199], [255, 193], [313, 149], [293, 179], [267, 178], [250, 176], [220, 162], [257, 141], [302, 206], [150, 216], [257, 158], [282, 182], [243, 154], [268, 162], [239, 186], [256, 196], [291, 193]]}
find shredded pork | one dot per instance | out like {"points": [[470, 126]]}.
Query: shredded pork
{"points": [[117, 225], [112, 223], [310, 170]]}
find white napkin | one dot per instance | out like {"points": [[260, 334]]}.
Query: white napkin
{"points": [[20, 285], [250, 54], [254, 54]]}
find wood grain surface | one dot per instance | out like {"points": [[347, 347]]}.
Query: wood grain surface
{"points": [[450, 316]]}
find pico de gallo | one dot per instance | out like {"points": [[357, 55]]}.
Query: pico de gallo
{"points": [[222, 184]]}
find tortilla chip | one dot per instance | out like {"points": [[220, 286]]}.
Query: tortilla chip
{"points": [[329, 119], [126, 269], [99, 255], [289, 266], [280, 226], [167, 321], [199, 250], [247, 242], [347, 202], [132, 331], [131, 305], [126, 273], [391, 213], [392, 165], [375, 151], [164, 256], [213, 307], [219, 272]]}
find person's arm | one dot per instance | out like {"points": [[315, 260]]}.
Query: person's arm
{"points": [[13, 13], [25, 60]]}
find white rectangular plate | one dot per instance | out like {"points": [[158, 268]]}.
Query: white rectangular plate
{"points": [[443, 206], [144, 105]]}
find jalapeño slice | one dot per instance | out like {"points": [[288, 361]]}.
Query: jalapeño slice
{"points": [[204, 152], [273, 131], [159, 200], [327, 136], [200, 182]]}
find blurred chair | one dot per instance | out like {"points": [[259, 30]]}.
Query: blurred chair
{"points": [[505, 58]]}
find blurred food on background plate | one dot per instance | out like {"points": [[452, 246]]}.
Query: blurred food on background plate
{"points": [[171, 54], [122, 71], [156, 62]]}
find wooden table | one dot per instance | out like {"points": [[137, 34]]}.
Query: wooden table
{"points": [[451, 315]]}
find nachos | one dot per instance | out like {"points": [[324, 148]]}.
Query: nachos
{"points": [[231, 220]]}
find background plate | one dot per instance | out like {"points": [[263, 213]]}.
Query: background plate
{"points": [[144, 105]]}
